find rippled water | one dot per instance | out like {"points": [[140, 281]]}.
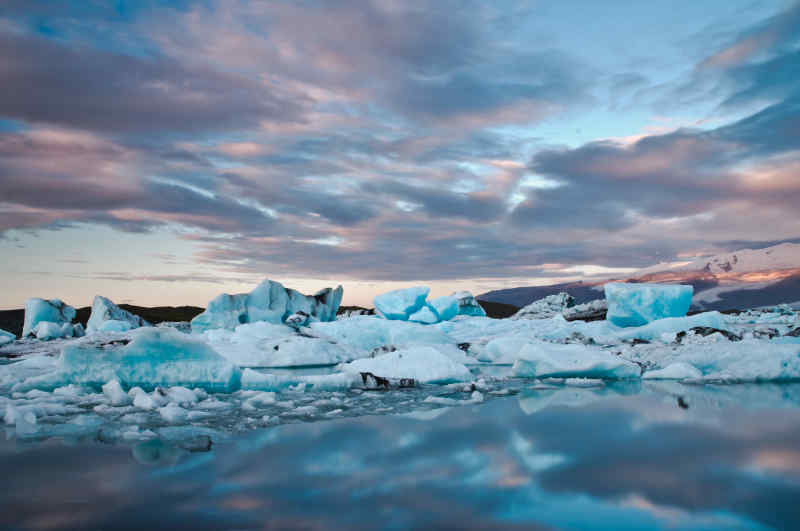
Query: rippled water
{"points": [[669, 456]]}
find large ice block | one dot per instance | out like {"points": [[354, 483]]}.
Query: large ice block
{"points": [[270, 302], [424, 364], [639, 304], [41, 310], [103, 311], [400, 304]]}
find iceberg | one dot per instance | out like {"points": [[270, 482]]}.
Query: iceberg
{"points": [[41, 310], [546, 308], [155, 357], [6, 337], [270, 302], [425, 315], [445, 307], [46, 330], [422, 364], [468, 305], [672, 325], [639, 304], [366, 333], [400, 304], [549, 360], [104, 311]]}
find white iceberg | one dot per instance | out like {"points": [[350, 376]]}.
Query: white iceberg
{"points": [[41, 310], [105, 311], [669, 326], [400, 304], [548, 360], [46, 330], [639, 304], [270, 302], [423, 364]]}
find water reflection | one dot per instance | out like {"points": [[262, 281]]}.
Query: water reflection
{"points": [[619, 457]]}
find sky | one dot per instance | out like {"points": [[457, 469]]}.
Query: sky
{"points": [[160, 153]]}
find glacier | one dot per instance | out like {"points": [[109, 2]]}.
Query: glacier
{"points": [[638, 304]]}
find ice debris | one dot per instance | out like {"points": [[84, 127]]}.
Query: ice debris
{"points": [[632, 304], [270, 302], [108, 317]]}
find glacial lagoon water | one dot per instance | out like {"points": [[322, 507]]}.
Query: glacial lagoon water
{"points": [[644, 456]]}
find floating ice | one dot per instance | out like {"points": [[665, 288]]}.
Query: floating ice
{"points": [[639, 304], [270, 302], [400, 304], [46, 330], [248, 350], [108, 317], [674, 371], [548, 360], [546, 308], [115, 394], [155, 357], [425, 315], [423, 364], [40, 310], [6, 337], [468, 305], [445, 307], [669, 326], [365, 333]]}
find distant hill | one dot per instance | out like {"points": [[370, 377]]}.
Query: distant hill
{"points": [[743, 279]]}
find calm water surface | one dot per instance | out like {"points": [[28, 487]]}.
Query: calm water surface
{"points": [[721, 457]]}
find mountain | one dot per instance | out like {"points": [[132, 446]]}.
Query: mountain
{"points": [[742, 279]]}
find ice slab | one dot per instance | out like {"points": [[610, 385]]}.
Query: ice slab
{"points": [[548, 360], [424, 364], [400, 304], [41, 310], [665, 329], [270, 302], [639, 304], [674, 371], [105, 311], [155, 357], [365, 333]]}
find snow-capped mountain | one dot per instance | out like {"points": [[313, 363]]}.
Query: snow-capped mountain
{"points": [[741, 279]]}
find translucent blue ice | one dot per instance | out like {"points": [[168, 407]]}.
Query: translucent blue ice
{"points": [[399, 304], [639, 304]]}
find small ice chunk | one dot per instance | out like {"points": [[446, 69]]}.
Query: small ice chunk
{"points": [[113, 391], [638, 304], [400, 304], [674, 371], [173, 413]]}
